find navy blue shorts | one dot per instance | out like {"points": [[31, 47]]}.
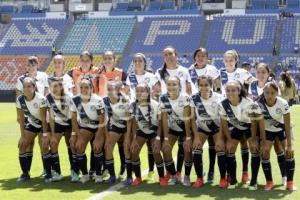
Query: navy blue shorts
{"points": [[92, 130], [147, 136], [33, 129], [208, 133], [238, 134], [176, 133], [58, 128], [117, 130], [271, 136]]}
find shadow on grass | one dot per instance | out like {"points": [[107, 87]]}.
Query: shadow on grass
{"points": [[37, 184], [210, 191]]}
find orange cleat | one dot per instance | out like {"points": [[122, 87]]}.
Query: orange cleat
{"points": [[290, 186], [163, 182], [269, 186], [223, 183], [137, 181], [199, 182], [245, 178]]}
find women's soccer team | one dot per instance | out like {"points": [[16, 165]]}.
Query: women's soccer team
{"points": [[103, 106]]}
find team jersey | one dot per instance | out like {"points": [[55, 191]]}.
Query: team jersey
{"points": [[175, 110], [143, 116], [31, 108], [88, 113], [61, 111], [254, 90], [239, 74], [133, 80], [194, 73], [207, 112], [67, 81], [116, 74], [273, 116], [181, 72], [237, 116], [118, 113], [77, 74], [41, 82]]}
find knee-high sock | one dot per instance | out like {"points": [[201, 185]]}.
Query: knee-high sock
{"points": [[266, 165], [245, 159], [82, 163], [282, 163], [222, 163], [290, 169], [255, 163], [99, 158], [198, 162], [232, 167]]}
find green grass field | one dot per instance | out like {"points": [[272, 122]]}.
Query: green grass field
{"points": [[37, 189]]}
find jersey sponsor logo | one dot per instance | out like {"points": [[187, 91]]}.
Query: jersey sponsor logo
{"points": [[237, 75], [180, 103]]}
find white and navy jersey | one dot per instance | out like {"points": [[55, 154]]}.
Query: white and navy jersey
{"points": [[254, 90], [239, 74], [88, 113], [31, 108], [61, 111], [237, 116], [143, 117], [207, 112], [273, 116], [117, 113], [133, 80], [41, 82], [181, 72], [68, 83], [175, 110], [208, 70]]}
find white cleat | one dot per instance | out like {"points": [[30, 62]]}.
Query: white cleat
{"points": [[98, 179], [57, 177], [186, 181], [85, 178], [284, 181]]}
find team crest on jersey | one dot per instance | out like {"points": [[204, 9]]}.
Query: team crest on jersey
{"points": [[180, 103], [237, 75], [35, 105], [278, 111], [93, 108], [180, 74], [147, 80], [214, 104]]}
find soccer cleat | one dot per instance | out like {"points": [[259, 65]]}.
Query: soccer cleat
{"points": [[48, 180], [186, 181], [24, 178], [167, 176], [85, 178], [290, 186], [150, 176], [269, 186], [57, 177], [74, 177], [98, 179], [199, 183], [253, 187], [105, 174], [284, 181], [178, 176], [163, 182], [173, 180], [210, 177], [231, 187], [245, 178], [127, 182], [43, 173], [223, 183], [122, 177], [137, 181], [111, 180]]}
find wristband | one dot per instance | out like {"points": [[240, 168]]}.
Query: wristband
{"points": [[73, 133], [166, 138], [188, 138], [45, 134], [157, 137]]}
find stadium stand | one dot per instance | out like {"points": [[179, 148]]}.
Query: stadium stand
{"points": [[11, 67], [182, 32], [246, 34], [290, 34], [31, 36], [99, 35]]}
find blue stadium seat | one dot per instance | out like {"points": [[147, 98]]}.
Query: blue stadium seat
{"points": [[134, 5], [293, 3], [167, 5], [31, 36], [99, 35], [185, 5], [27, 9], [290, 35], [154, 5], [246, 34], [194, 5], [8, 9], [272, 4], [258, 4], [121, 6]]}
